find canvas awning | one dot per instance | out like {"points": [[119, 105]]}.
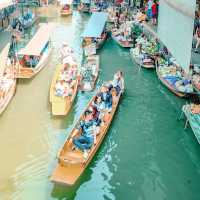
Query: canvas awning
{"points": [[38, 42], [95, 25], [4, 57]]}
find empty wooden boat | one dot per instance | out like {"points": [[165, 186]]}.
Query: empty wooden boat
{"points": [[7, 79], [34, 57], [72, 162], [63, 89], [89, 73]]}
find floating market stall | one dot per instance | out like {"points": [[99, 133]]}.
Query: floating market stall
{"points": [[145, 51], [95, 32], [173, 77]]}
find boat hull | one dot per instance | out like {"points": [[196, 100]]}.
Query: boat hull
{"points": [[8, 97], [67, 173]]}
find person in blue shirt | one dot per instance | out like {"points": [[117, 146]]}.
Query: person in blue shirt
{"points": [[85, 141]]}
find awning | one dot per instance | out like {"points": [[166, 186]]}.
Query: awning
{"points": [[95, 25], [38, 42], [66, 2], [6, 4], [86, 1], [3, 58]]}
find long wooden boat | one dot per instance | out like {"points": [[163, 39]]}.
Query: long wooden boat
{"points": [[172, 88], [136, 59], [71, 163], [124, 44], [34, 57], [92, 65], [66, 8], [61, 105], [8, 81]]}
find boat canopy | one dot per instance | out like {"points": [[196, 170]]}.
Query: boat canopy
{"points": [[6, 4], [95, 25], [3, 58], [66, 2], [86, 1], [38, 42]]}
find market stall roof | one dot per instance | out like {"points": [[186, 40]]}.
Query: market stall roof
{"points": [[38, 42], [6, 4], [85, 1], [95, 25], [4, 57], [66, 2]]}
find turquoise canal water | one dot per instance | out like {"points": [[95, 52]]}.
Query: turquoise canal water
{"points": [[147, 154]]}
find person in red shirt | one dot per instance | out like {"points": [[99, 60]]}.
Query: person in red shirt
{"points": [[154, 9]]}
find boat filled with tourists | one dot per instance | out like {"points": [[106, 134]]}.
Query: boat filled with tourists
{"points": [[89, 73], [7, 79], [35, 55], [89, 132], [64, 84]]}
